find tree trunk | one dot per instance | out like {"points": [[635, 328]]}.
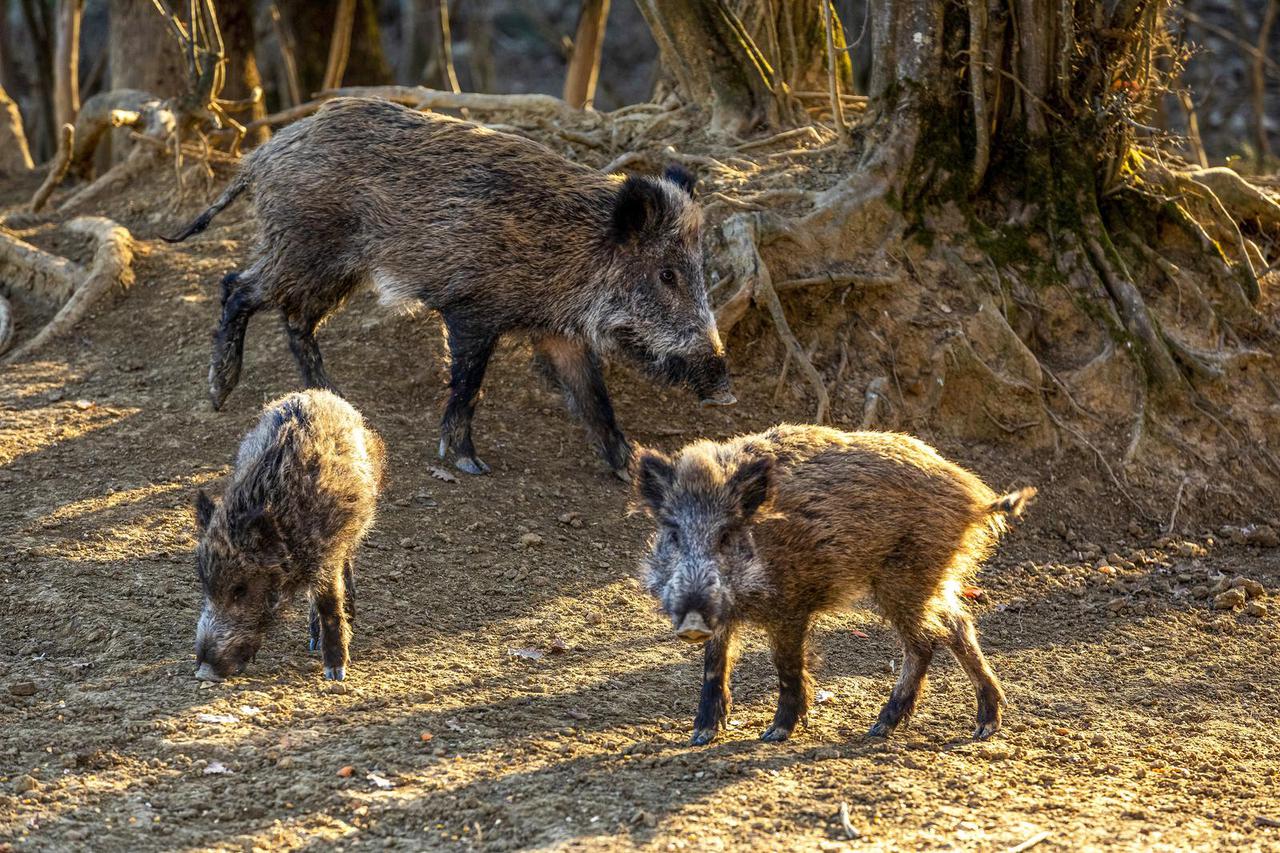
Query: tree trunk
{"points": [[14, 154], [584, 65], [39, 29], [66, 62], [715, 62], [235, 19], [143, 52], [310, 25]]}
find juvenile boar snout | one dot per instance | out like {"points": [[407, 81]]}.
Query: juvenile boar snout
{"points": [[692, 628]]}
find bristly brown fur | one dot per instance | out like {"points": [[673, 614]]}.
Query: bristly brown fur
{"points": [[301, 499], [497, 233], [777, 527]]}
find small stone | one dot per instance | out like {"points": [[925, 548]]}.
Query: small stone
{"points": [[1223, 584], [1252, 589], [573, 519], [530, 540], [26, 784], [1263, 535], [1255, 608], [23, 688], [406, 542], [1115, 605], [1229, 600]]}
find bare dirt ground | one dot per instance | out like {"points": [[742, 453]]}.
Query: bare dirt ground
{"points": [[1140, 717]]}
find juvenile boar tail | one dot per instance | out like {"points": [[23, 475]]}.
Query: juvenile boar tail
{"points": [[1013, 503], [201, 222]]}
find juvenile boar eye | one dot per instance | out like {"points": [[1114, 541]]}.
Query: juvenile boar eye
{"points": [[668, 276], [239, 592]]}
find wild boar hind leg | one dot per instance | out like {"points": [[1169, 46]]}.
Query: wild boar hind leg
{"points": [[239, 304], [469, 353], [717, 697], [575, 369]]}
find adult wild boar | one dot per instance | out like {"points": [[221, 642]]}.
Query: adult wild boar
{"points": [[777, 527], [301, 499], [497, 233]]}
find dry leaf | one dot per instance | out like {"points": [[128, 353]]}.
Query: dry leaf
{"points": [[971, 592], [346, 771], [215, 768], [859, 634], [526, 654], [380, 781], [442, 474], [426, 737]]}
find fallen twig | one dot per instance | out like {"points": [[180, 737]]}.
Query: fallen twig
{"points": [[1030, 842]]}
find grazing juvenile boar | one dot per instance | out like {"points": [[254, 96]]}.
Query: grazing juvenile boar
{"points": [[497, 233], [300, 500], [777, 527]]}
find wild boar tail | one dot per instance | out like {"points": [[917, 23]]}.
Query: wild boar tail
{"points": [[1013, 503], [201, 222]]}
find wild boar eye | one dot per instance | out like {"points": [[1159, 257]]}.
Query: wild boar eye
{"points": [[667, 275], [726, 536], [239, 591]]}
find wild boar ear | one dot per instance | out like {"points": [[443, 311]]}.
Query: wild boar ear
{"points": [[259, 535], [638, 205], [204, 511], [681, 177], [653, 475], [752, 483]]}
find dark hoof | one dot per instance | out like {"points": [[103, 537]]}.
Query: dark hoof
{"points": [[471, 465], [313, 644], [335, 673], [880, 730], [702, 737], [986, 730], [622, 474], [217, 398], [775, 734]]}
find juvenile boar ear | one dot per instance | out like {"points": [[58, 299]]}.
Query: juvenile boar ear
{"points": [[681, 177], [259, 535], [204, 510], [638, 205], [653, 475], [752, 483]]}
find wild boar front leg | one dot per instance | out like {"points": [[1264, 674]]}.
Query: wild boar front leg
{"points": [[795, 687], [239, 303], [469, 354], [576, 370], [301, 330], [335, 628], [716, 698]]}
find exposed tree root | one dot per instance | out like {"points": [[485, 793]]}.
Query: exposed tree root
{"points": [[57, 169], [139, 110], [750, 269], [6, 325], [46, 277], [112, 266]]}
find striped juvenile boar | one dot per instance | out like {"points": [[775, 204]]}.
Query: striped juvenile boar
{"points": [[778, 527], [497, 233], [300, 500]]}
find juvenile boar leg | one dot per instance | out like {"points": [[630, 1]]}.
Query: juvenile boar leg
{"points": [[716, 699], [469, 356], [335, 630], [902, 701], [795, 687], [576, 370], [963, 643], [238, 305], [306, 352], [349, 586], [313, 627]]}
